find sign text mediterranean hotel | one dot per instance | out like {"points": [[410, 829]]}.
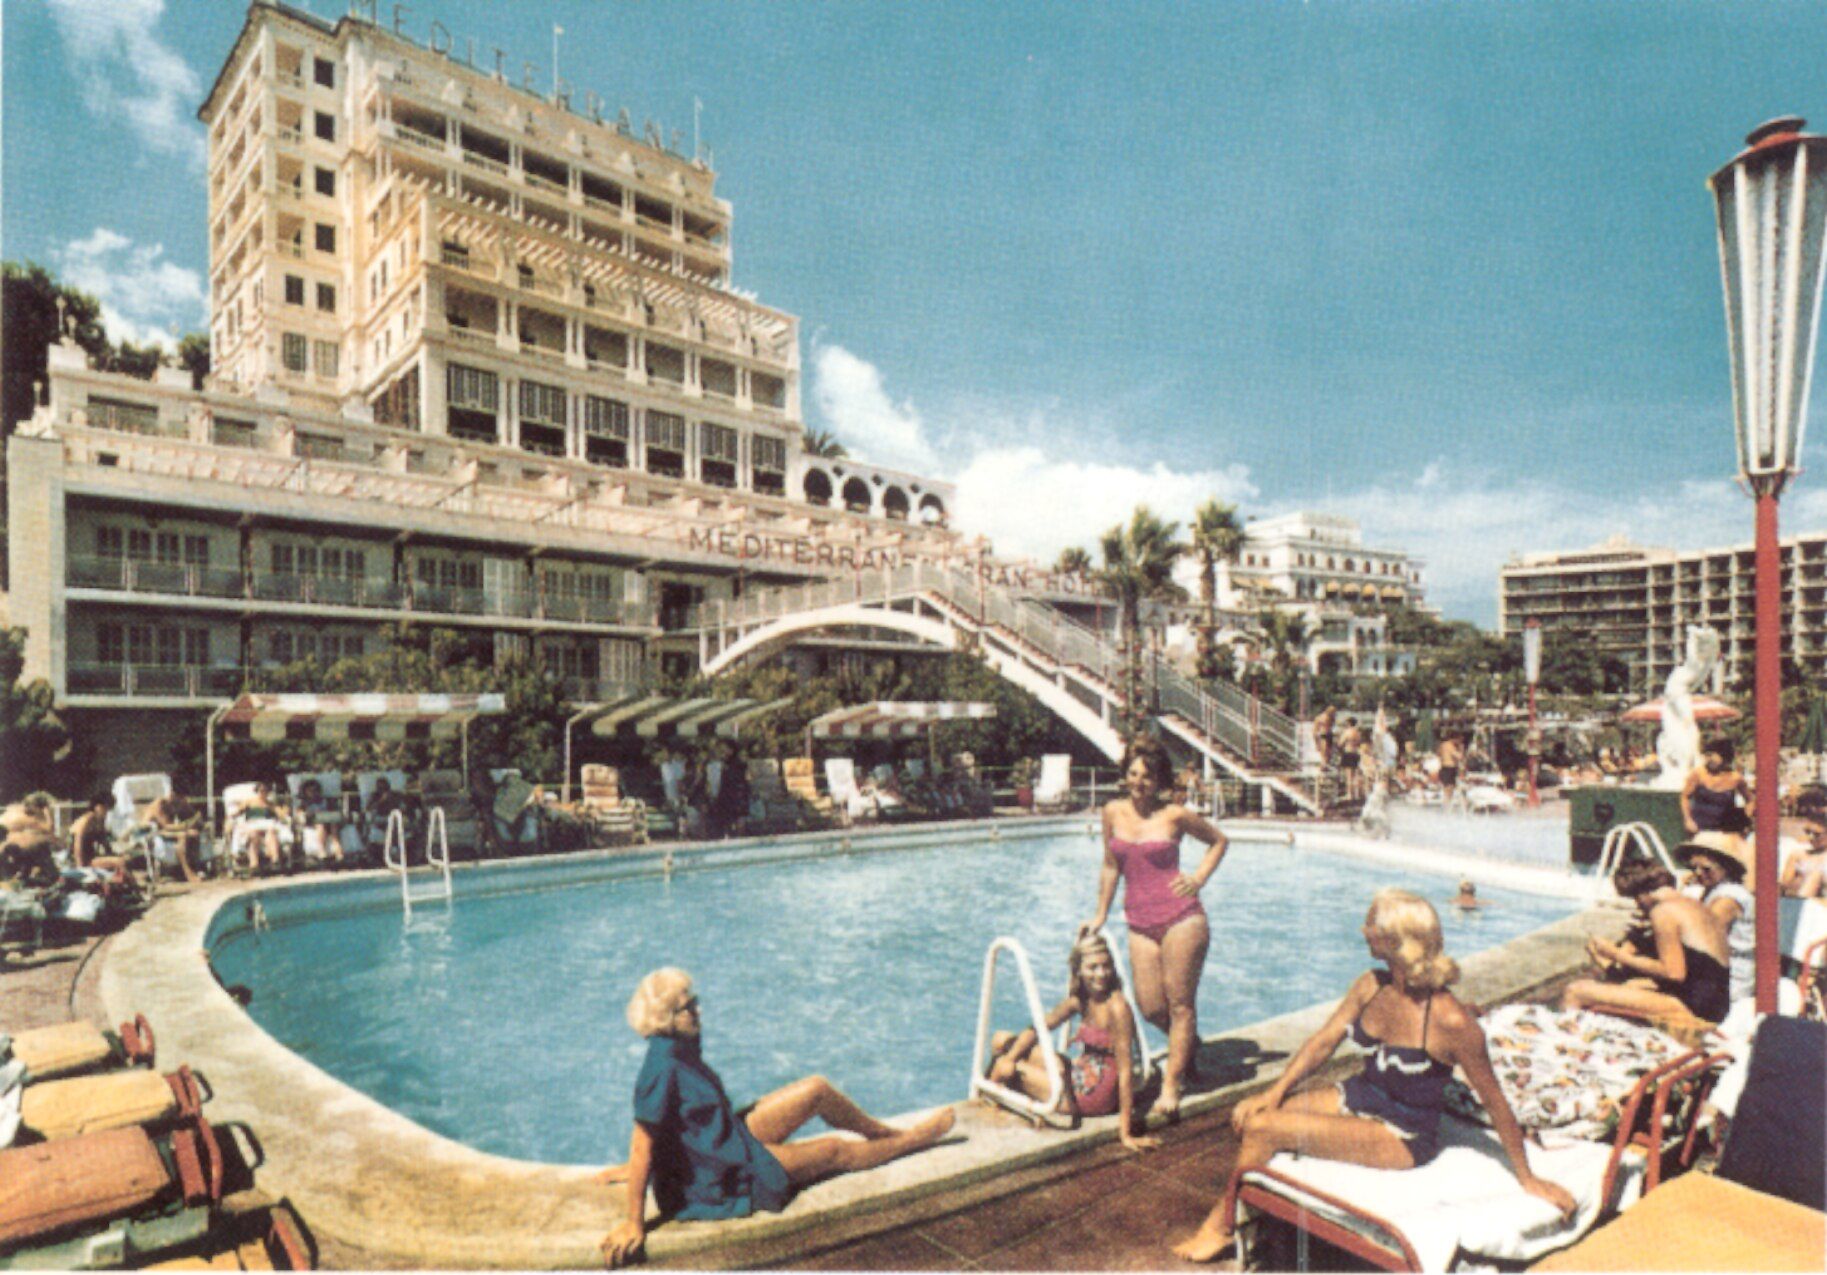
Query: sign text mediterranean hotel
{"points": [[754, 546]]}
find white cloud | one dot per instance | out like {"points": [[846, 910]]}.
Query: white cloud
{"points": [[128, 73], [850, 394], [145, 298], [1030, 502]]}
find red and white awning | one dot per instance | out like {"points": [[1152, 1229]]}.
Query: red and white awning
{"points": [[651, 716], [270, 719], [895, 719]]}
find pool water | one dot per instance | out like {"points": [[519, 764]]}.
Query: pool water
{"points": [[499, 1023]]}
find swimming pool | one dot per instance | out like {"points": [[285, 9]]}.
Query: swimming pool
{"points": [[498, 1023]]}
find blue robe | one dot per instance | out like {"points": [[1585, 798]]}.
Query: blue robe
{"points": [[706, 1163]]}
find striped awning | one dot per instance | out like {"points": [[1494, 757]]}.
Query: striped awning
{"points": [[895, 719], [651, 716], [272, 718]]}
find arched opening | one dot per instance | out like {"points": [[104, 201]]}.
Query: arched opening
{"points": [[818, 486], [932, 511], [894, 504], [856, 496]]}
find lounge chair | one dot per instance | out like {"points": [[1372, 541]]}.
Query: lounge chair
{"points": [[69, 1108], [76, 1048], [238, 832], [771, 808], [22, 920], [799, 774], [128, 826], [1465, 1205], [316, 833], [616, 819], [268, 1239], [1763, 1210], [445, 790], [1053, 790], [840, 781], [371, 826], [108, 1199]]}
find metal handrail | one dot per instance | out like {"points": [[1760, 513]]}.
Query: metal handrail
{"points": [[1045, 1110]]}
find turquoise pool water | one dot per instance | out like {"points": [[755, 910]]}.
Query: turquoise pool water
{"points": [[499, 1022]]}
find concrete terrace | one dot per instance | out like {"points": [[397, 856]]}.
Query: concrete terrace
{"points": [[378, 1190]]}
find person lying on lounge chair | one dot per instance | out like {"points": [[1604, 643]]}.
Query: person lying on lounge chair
{"points": [[177, 831], [1388, 1115], [705, 1160]]}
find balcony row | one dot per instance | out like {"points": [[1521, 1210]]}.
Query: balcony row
{"points": [[171, 579], [217, 682]]}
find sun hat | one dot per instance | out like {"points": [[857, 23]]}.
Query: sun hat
{"points": [[1725, 850]]}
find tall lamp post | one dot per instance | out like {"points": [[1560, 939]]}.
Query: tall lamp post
{"points": [[1532, 669], [1771, 202]]}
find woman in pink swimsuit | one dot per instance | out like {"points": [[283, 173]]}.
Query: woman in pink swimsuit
{"points": [[1168, 935], [1100, 1080]]}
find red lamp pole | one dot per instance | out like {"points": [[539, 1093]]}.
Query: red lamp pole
{"points": [[1532, 669], [1767, 703], [1771, 203]]}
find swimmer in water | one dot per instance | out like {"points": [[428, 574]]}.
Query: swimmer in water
{"points": [[1467, 899]]}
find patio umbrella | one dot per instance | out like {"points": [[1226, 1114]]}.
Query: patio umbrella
{"points": [[1706, 709], [1814, 733]]}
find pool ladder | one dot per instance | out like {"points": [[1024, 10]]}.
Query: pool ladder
{"points": [[437, 856], [1041, 1111], [1618, 843]]}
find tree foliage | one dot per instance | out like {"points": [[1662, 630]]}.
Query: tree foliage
{"points": [[823, 443], [1139, 558], [1217, 536], [37, 751]]}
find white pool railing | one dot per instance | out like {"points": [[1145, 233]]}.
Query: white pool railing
{"points": [[1043, 1111], [437, 857]]}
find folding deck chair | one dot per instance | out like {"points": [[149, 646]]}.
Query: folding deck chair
{"points": [[617, 819], [1465, 1205], [801, 779], [1053, 790]]}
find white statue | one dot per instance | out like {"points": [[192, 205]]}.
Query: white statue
{"points": [[1678, 746]]}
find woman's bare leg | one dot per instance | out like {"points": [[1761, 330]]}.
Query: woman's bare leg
{"points": [[784, 1112], [1311, 1124], [1587, 993], [818, 1158], [1150, 984], [1183, 951]]}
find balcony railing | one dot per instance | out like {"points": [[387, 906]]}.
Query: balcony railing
{"points": [[126, 575], [483, 162], [169, 681], [599, 690], [546, 183], [358, 591], [414, 137]]}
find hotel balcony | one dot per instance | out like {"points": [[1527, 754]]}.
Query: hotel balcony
{"points": [[155, 681], [408, 599]]}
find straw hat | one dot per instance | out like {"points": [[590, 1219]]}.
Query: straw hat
{"points": [[1723, 848]]}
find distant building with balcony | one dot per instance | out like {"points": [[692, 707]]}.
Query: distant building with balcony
{"points": [[1318, 565], [1636, 603], [476, 362]]}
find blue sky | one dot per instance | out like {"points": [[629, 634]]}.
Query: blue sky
{"points": [[1447, 267]]}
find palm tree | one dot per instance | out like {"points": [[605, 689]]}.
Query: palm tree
{"points": [[823, 443], [1138, 566], [1217, 537], [1073, 561], [1286, 636]]}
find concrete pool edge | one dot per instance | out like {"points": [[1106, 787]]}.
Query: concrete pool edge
{"points": [[375, 1180]]}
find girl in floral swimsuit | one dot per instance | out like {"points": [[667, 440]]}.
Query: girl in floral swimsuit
{"points": [[1168, 935], [1100, 1080]]}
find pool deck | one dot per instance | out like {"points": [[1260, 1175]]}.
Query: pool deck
{"points": [[380, 1190]]}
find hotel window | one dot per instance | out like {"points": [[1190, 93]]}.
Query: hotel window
{"points": [[665, 444], [473, 396], [110, 644], [325, 126], [665, 363], [398, 404], [326, 238], [324, 72], [139, 545], [186, 647], [110, 543], [325, 180], [768, 457], [542, 418], [326, 297], [606, 431], [327, 353], [294, 351], [294, 290], [719, 449], [719, 378]]}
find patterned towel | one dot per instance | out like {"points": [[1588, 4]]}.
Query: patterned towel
{"points": [[1565, 1073]]}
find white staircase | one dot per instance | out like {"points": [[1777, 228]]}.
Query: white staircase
{"points": [[1067, 666], [433, 886]]}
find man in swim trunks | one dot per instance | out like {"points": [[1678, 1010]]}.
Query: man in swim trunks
{"points": [[1452, 756]]}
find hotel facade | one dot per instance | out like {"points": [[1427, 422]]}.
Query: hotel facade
{"points": [[476, 361], [1636, 603]]}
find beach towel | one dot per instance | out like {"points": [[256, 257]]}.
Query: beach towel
{"points": [[1565, 1073], [1702, 1223]]}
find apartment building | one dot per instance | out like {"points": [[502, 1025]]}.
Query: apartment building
{"points": [[1636, 602], [477, 361]]}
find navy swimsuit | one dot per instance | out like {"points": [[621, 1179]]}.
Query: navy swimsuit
{"points": [[1402, 1086]]}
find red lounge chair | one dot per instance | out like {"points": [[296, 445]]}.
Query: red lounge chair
{"points": [[69, 1049], [58, 1109], [273, 1243], [107, 1199]]}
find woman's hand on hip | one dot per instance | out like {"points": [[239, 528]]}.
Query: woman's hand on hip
{"points": [[1186, 887]]}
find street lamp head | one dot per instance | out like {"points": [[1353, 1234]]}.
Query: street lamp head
{"points": [[1532, 650], [1771, 203]]}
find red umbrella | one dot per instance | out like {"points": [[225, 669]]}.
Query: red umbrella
{"points": [[1706, 709]]}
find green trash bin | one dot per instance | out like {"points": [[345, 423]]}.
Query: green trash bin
{"points": [[1597, 810]]}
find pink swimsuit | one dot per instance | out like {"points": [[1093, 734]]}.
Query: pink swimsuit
{"points": [[1094, 1072], [1149, 904]]}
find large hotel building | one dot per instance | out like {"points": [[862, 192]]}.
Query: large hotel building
{"points": [[1636, 603], [477, 361]]}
